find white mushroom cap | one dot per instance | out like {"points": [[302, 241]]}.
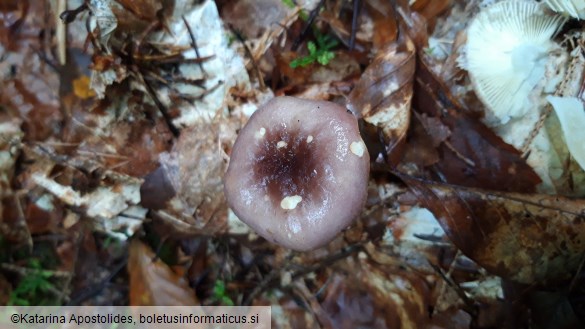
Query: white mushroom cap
{"points": [[573, 8], [507, 52]]}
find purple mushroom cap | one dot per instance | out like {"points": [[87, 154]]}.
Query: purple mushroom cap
{"points": [[298, 172]]}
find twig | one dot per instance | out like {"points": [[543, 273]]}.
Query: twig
{"points": [[310, 20], [468, 161], [275, 273], [354, 21], [194, 43], [249, 53], [468, 301], [25, 271], [159, 105], [95, 289], [61, 32]]}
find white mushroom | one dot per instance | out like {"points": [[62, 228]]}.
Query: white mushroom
{"points": [[573, 8], [507, 52]]}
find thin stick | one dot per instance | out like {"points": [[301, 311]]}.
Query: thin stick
{"points": [[249, 53], [354, 22], [61, 33], [194, 44]]}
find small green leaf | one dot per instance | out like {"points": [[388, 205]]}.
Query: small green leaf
{"points": [[312, 48], [325, 57], [289, 3], [319, 52], [302, 62]]}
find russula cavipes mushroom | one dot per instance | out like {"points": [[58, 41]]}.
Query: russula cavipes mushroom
{"points": [[573, 8], [507, 56], [298, 172]]}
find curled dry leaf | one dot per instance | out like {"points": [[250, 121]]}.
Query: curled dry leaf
{"points": [[384, 92], [152, 282], [528, 238]]}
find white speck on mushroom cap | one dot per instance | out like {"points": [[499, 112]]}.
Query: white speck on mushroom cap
{"points": [[260, 133], [358, 148], [290, 202], [281, 144], [342, 141], [507, 53], [309, 138]]}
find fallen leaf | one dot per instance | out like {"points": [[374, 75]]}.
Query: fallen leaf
{"points": [[473, 155], [153, 283], [385, 24], [383, 94], [528, 238], [81, 87], [243, 15], [430, 9], [376, 298]]}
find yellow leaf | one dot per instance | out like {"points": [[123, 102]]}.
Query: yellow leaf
{"points": [[81, 87]]}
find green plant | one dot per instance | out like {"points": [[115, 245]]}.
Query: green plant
{"points": [[289, 3], [219, 294], [302, 14], [319, 52], [33, 286]]}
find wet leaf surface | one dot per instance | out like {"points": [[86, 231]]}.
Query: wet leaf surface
{"points": [[383, 94], [528, 238], [474, 155], [152, 282]]}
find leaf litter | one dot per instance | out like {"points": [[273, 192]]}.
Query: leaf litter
{"points": [[111, 163]]}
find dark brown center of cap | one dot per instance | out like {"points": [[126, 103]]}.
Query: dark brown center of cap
{"points": [[287, 164]]}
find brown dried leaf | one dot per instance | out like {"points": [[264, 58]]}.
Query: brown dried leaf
{"points": [[384, 93], [372, 297], [438, 132], [527, 238], [192, 174], [144, 9], [152, 282], [385, 24], [473, 155], [420, 149], [430, 9], [254, 17]]}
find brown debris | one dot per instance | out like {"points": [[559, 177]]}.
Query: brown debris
{"points": [[528, 238], [153, 283]]}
